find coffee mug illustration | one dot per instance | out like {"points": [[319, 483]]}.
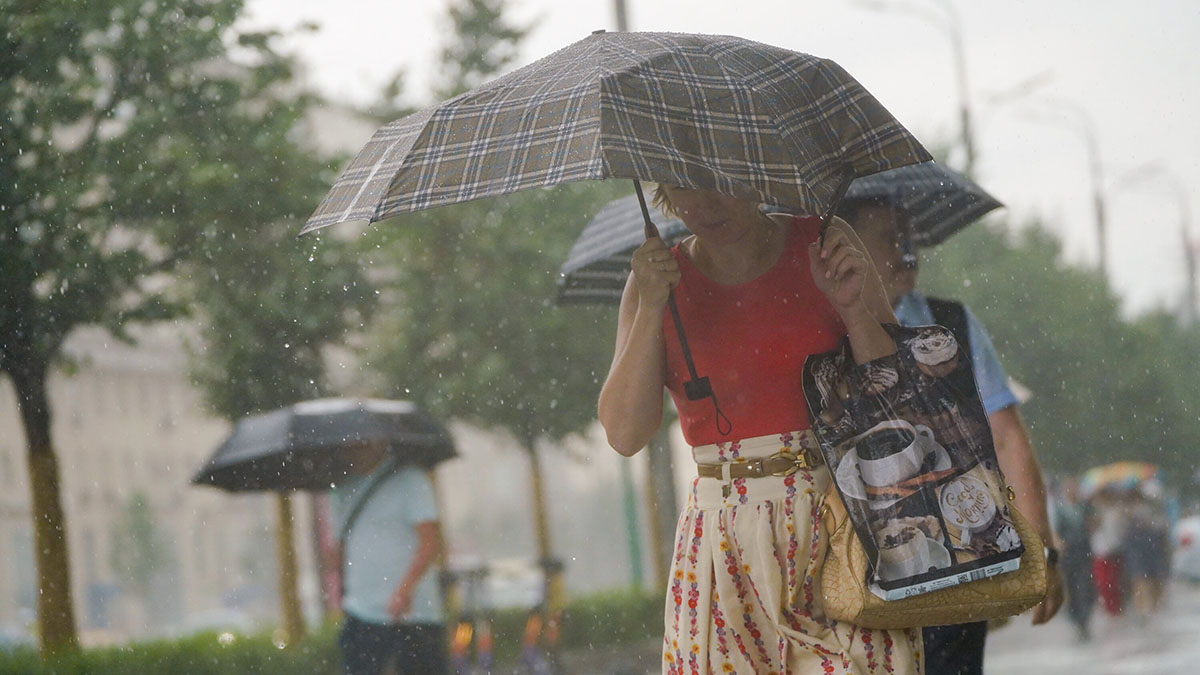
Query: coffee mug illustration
{"points": [[893, 451], [968, 505], [906, 551]]}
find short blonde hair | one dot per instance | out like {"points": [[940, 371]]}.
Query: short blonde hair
{"points": [[662, 200]]}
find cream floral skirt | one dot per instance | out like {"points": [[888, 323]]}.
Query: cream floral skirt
{"points": [[744, 593]]}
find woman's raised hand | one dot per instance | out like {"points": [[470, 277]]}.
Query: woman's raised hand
{"points": [[840, 265], [655, 272]]}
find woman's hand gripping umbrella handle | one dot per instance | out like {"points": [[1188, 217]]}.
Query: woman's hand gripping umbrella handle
{"points": [[696, 388]]}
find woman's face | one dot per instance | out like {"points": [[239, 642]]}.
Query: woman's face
{"points": [[712, 216]]}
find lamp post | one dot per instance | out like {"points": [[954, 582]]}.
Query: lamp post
{"points": [[948, 22], [1083, 123], [1190, 246]]}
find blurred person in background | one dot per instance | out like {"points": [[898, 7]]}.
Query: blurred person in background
{"points": [[390, 540], [1108, 534], [959, 649], [1146, 549], [1073, 520]]}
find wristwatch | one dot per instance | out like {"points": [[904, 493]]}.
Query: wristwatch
{"points": [[1051, 556]]}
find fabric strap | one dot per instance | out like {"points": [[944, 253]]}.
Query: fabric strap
{"points": [[360, 498]]}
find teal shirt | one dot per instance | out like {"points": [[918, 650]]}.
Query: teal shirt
{"points": [[380, 546]]}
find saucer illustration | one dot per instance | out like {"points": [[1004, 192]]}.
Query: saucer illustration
{"points": [[934, 557], [849, 479]]}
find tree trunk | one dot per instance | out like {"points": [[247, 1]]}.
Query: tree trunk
{"points": [[55, 608], [662, 509], [289, 596], [541, 520]]}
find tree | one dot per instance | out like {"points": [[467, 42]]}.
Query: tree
{"points": [[268, 305], [484, 43], [120, 117], [1105, 387], [470, 327]]}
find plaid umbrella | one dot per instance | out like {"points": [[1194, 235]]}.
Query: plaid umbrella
{"points": [[708, 112], [296, 448], [937, 200]]}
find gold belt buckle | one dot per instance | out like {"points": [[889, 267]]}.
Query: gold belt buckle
{"points": [[797, 462]]}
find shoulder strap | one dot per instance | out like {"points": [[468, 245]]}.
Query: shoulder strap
{"points": [[361, 497], [953, 315]]}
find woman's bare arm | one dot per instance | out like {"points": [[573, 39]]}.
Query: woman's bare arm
{"points": [[630, 407]]}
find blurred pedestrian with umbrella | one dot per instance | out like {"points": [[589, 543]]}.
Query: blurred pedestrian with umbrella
{"points": [[390, 539], [722, 124], [922, 205], [375, 455]]}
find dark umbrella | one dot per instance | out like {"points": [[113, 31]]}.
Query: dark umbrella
{"points": [[296, 448], [934, 201], [598, 264]]}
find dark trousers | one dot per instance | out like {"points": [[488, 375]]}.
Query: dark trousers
{"points": [[954, 650], [367, 648]]}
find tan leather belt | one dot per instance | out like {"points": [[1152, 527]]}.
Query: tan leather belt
{"points": [[783, 463], [779, 464]]}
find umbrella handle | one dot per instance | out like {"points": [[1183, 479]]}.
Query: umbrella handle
{"points": [[651, 230], [827, 217], [697, 388]]}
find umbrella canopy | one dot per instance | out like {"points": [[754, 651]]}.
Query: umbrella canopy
{"points": [[708, 112], [296, 448], [1117, 476], [936, 200]]}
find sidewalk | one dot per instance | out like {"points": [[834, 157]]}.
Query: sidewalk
{"points": [[1168, 644]]}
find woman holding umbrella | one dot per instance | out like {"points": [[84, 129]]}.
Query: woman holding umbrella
{"points": [[758, 295]]}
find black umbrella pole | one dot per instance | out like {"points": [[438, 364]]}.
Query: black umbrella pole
{"points": [[651, 230]]}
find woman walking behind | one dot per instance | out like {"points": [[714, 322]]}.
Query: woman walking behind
{"points": [[756, 296]]}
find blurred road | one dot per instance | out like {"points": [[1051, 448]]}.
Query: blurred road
{"points": [[1168, 644]]}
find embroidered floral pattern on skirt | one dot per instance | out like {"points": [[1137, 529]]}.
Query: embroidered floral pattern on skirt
{"points": [[743, 595]]}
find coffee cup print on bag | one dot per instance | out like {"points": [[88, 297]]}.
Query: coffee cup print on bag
{"points": [[968, 505], [903, 552], [893, 451]]}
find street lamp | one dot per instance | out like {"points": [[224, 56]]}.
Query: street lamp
{"points": [[949, 23], [1086, 126], [1190, 246]]}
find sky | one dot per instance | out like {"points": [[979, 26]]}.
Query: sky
{"points": [[1039, 73]]}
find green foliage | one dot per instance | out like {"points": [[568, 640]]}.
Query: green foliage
{"points": [[139, 552], [470, 326], [200, 654], [595, 621], [269, 304], [1105, 387], [484, 44], [123, 123]]}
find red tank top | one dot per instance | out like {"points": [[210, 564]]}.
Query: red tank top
{"points": [[751, 340]]}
